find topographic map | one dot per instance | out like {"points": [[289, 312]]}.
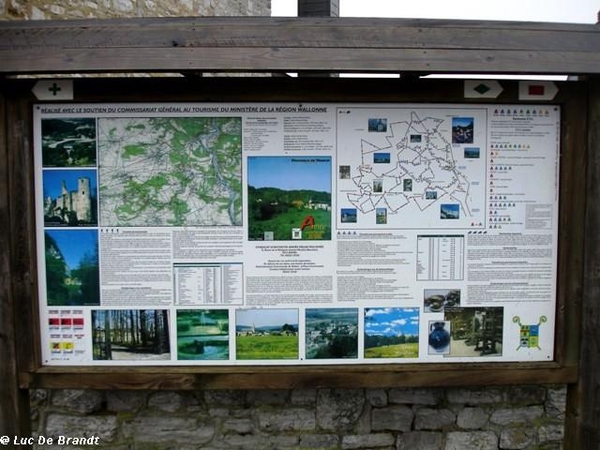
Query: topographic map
{"points": [[172, 171], [401, 168]]}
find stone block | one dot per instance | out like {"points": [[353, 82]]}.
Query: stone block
{"points": [[239, 426], [556, 402], [267, 397], [287, 419], [517, 438], [165, 401], [362, 441], [103, 427], [168, 429], [551, 432], [319, 441], [506, 416], [125, 401], [475, 396], [526, 395], [471, 440], [339, 409], [78, 400], [304, 397], [472, 418], [419, 440], [377, 397], [397, 418], [433, 419], [415, 396], [225, 397]]}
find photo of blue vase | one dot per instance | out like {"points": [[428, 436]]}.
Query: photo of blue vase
{"points": [[439, 338]]}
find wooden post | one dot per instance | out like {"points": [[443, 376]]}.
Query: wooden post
{"points": [[583, 406], [14, 407], [318, 8]]}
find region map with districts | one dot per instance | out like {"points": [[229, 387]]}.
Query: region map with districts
{"points": [[177, 171], [402, 168]]}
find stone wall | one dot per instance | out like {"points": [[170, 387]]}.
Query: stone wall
{"points": [[101, 9], [516, 417]]}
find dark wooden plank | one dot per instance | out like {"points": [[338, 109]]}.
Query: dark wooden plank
{"points": [[280, 378], [275, 44], [14, 407], [583, 407], [571, 225]]}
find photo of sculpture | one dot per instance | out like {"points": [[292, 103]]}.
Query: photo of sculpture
{"points": [[475, 331]]}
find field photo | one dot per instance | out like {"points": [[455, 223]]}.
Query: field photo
{"points": [[331, 333], [72, 274], [69, 142], [131, 335], [289, 198], [266, 334], [203, 334], [391, 332]]}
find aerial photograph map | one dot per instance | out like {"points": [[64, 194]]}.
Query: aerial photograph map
{"points": [[176, 171]]}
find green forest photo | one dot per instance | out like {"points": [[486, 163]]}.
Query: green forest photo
{"points": [[72, 275]]}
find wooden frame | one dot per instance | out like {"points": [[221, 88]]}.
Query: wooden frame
{"points": [[192, 46], [562, 370]]}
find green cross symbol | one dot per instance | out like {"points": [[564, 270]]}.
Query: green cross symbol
{"points": [[54, 89]]}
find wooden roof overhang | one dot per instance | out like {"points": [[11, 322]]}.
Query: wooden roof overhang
{"points": [[264, 44]]}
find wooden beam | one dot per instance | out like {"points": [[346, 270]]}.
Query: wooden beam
{"points": [[14, 406], [181, 378], [296, 44]]}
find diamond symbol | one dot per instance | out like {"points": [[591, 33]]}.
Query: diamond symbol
{"points": [[482, 88]]}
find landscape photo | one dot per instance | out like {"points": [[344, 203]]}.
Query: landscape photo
{"points": [[391, 332], [266, 334], [72, 274], [203, 334], [289, 198], [130, 334], [69, 142], [70, 198], [331, 333]]}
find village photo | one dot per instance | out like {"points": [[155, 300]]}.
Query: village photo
{"points": [[391, 332], [69, 142], [266, 334], [72, 275], [475, 331], [70, 198], [331, 333], [131, 334], [289, 198], [203, 334]]}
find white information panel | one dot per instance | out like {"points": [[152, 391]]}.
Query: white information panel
{"points": [[299, 234]]}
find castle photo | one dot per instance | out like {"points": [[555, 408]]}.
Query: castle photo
{"points": [[70, 198]]}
